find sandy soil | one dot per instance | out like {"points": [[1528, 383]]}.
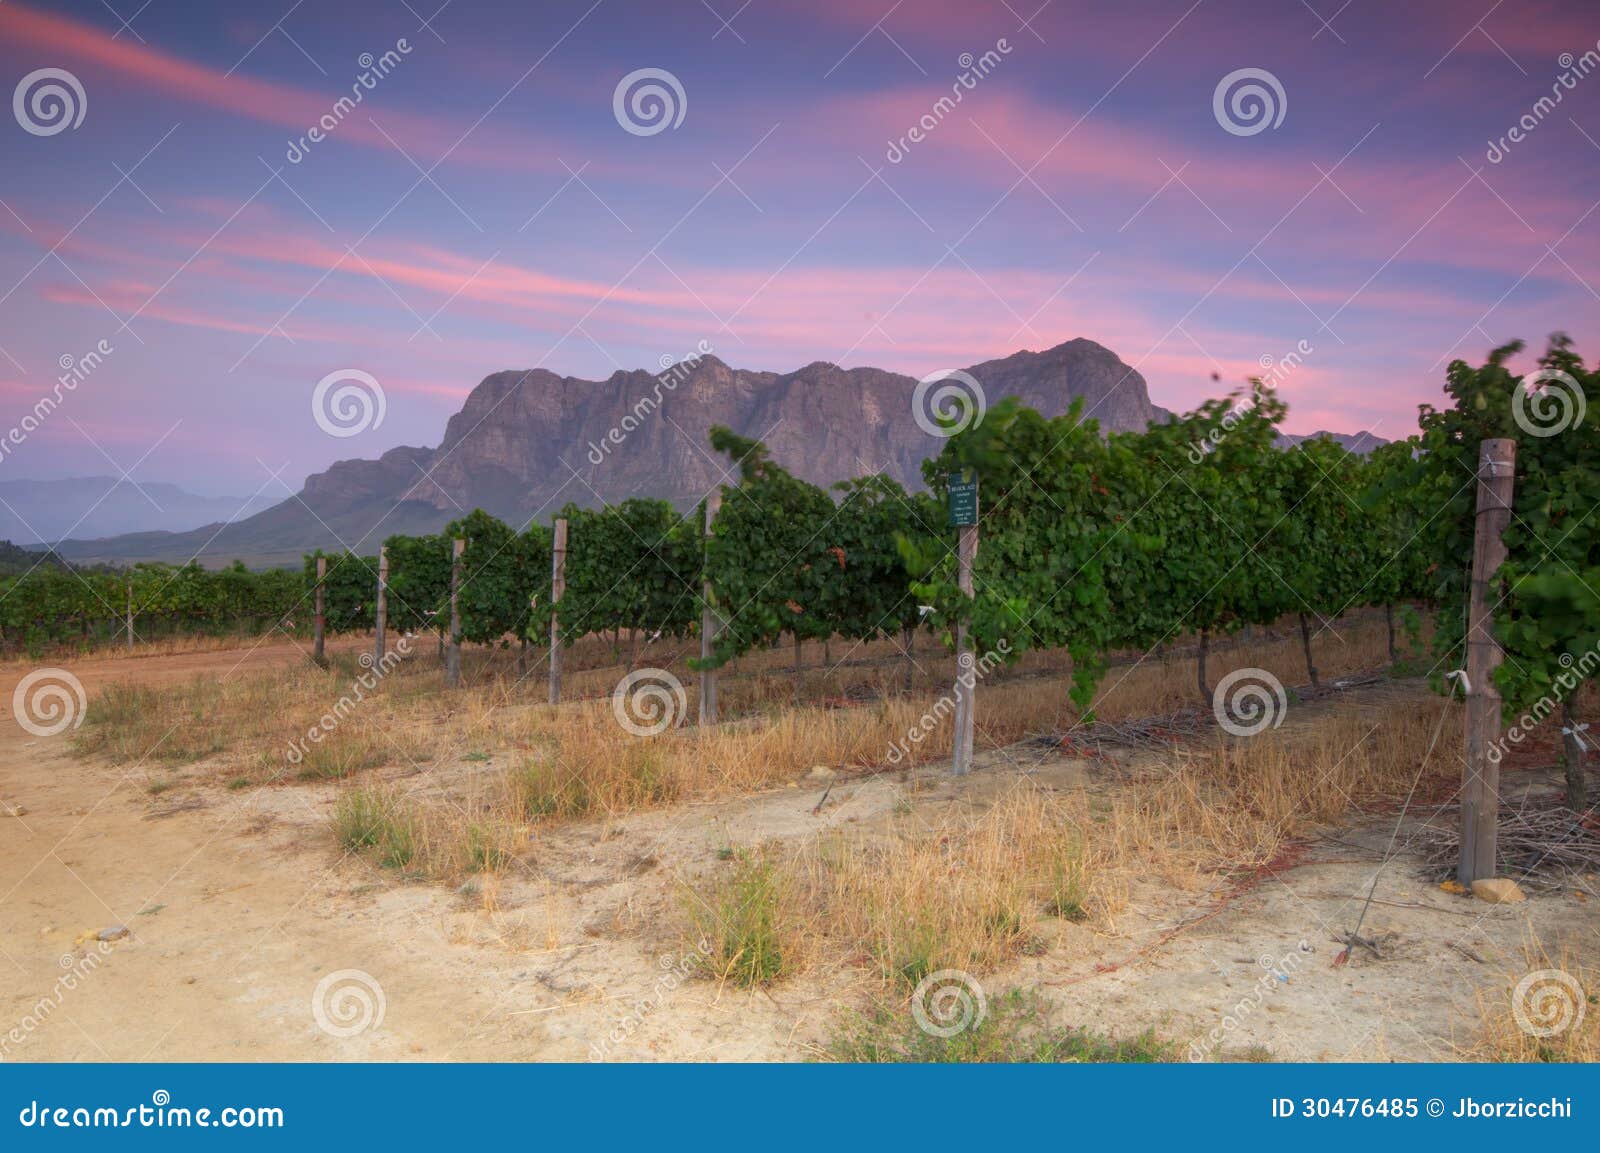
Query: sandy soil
{"points": [[237, 905]]}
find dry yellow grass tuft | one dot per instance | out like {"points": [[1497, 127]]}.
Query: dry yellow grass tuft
{"points": [[1547, 1011], [968, 893], [987, 881]]}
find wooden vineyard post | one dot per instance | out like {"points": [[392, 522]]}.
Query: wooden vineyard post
{"points": [[522, 648], [320, 622], [558, 586], [452, 660], [1480, 778], [908, 637], [709, 627], [381, 610], [130, 615], [964, 514]]}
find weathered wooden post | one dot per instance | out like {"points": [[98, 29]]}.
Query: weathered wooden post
{"points": [[130, 614], [710, 625], [381, 610], [1480, 781], [452, 665], [963, 496], [558, 587], [320, 622]]}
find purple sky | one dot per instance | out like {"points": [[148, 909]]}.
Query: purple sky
{"points": [[483, 208]]}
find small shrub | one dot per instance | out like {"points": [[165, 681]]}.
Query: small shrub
{"points": [[745, 918], [1013, 1030], [342, 754], [545, 789], [371, 821], [484, 848]]}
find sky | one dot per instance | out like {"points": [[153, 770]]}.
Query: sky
{"points": [[192, 221]]}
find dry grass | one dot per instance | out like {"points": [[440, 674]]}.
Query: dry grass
{"points": [[575, 761], [1513, 1015], [970, 893], [422, 836], [984, 883], [1239, 803]]}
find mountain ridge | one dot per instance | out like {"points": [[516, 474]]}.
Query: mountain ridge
{"points": [[524, 443]]}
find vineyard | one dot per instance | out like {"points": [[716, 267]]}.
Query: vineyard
{"points": [[1200, 527], [51, 606], [1092, 544]]}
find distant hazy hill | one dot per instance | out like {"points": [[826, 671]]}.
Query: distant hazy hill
{"points": [[1357, 442], [526, 443], [44, 511]]}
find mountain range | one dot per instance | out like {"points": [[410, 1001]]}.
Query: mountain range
{"points": [[34, 512], [525, 443]]}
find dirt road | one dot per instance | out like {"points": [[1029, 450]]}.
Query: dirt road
{"points": [[251, 936], [237, 905]]}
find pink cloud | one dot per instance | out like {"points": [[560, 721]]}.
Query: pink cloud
{"points": [[287, 107]]}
